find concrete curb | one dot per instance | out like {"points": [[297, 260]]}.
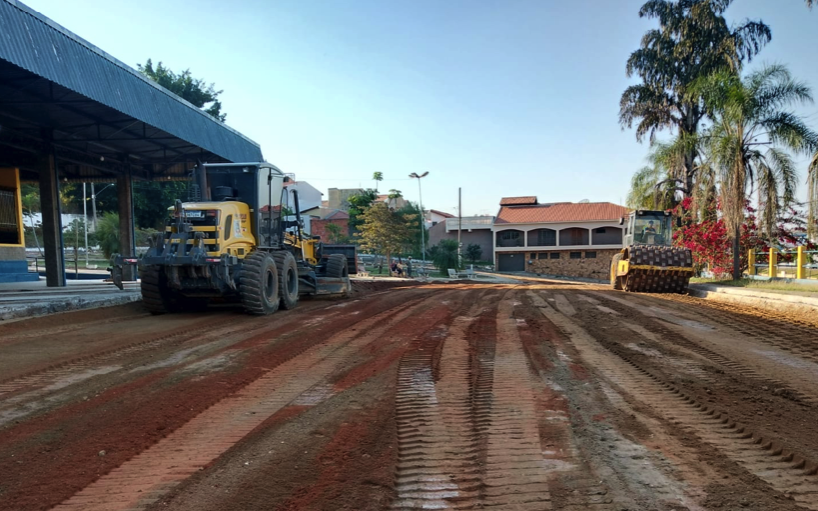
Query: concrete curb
{"points": [[72, 303], [753, 298]]}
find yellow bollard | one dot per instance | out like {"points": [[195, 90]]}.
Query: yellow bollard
{"points": [[801, 263], [751, 262], [772, 272]]}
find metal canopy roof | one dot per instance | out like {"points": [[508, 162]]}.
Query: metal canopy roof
{"points": [[102, 115]]}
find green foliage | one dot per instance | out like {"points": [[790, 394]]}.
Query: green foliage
{"points": [[445, 255], [750, 137], [358, 204], [143, 235], [153, 198], [108, 234], [193, 90], [474, 252], [336, 234], [414, 246], [384, 231], [377, 177], [693, 40], [30, 198], [73, 236]]}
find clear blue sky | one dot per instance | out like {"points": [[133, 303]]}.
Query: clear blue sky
{"points": [[502, 98]]}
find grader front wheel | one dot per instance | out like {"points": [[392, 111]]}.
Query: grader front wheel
{"points": [[259, 284]]}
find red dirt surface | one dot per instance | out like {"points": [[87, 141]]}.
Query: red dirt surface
{"points": [[409, 396]]}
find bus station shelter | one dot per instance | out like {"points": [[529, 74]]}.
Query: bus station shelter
{"points": [[71, 113]]}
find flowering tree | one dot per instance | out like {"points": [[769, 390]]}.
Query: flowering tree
{"points": [[711, 246]]}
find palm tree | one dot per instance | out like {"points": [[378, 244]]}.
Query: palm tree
{"points": [[657, 185], [693, 40], [108, 234], [378, 177], [749, 139]]}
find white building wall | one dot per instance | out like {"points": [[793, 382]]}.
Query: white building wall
{"points": [[525, 228]]}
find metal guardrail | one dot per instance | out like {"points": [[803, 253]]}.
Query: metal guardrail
{"points": [[803, 263]]}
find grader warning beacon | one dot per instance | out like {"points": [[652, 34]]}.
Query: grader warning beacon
{"points": [[648, 263], [237, 239]]}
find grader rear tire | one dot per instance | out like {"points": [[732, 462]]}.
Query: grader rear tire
{"points": [[156, 295], [337, 266], [287, 279], [259, 284]]}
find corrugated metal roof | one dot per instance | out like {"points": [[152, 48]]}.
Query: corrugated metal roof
{"points": [[37, 44], [560, 212]]}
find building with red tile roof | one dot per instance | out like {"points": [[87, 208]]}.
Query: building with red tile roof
{"points": [[560, 238], [518, 201]]}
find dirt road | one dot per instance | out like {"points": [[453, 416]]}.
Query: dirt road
{"points": [[467, 396]]}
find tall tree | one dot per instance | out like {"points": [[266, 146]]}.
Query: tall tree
{"points": [[30, 198], [385, 231], [358, 204], [193, 90], [693, 40], [749, 139], [474, 252], [377, 177]]}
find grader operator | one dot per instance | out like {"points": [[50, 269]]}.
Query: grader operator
{"points": [[649, 263], [239, 241]]}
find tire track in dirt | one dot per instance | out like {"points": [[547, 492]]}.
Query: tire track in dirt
{"points": [[470, 439], [177, 336], [783, 331], [438, 451], [787, 472], [515, 474], [145, 478], [691, 344]]}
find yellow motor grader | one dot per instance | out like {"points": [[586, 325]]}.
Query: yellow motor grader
{"points": [[237, 241], [649, 263]]}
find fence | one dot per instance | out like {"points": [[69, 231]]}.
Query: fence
{"points": [[794, 264]]}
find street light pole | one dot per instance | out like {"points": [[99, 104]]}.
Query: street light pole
{"points": [[414, 175], [94, 202], [85, 222]]}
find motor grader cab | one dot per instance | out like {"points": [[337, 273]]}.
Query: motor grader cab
{"points": [[238, 240], [649, 263]]}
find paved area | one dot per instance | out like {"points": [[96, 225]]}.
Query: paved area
{"points": [[26, 299]]}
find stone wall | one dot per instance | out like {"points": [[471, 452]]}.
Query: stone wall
{"points": [[598, 267]]}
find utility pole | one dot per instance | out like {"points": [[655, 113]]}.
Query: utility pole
{"points": [[459, 226], [85, 222]]}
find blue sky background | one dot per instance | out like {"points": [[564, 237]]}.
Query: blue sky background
{"points": [[501, 98]]}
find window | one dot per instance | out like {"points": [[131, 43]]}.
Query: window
{"points": [[576, 255], [9, 219], [510, 238], [590, 255], [542, 238], [554, 255], [574, 236], [608, 236], [228, 227]]}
